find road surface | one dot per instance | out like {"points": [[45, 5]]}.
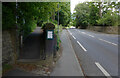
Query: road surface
{"points": [[98, 52]]}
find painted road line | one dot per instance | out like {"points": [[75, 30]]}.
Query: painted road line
{"points": [[102, 69], [83, 32], [81, 46], [73, 37], [91, 35], [107, 41], [76, 30], [114, 44], [88, 34], [70, 33]]}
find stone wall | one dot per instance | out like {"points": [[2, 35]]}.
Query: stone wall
{"points": [[9, 46], [109, 29]]}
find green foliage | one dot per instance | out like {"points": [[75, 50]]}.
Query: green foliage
{"points": [[118, 20], [6, 67], [58, 37], [64, 13], [82, 15], [94, 14], [97, 13], [8, 16], [45, 24], [31, 14], [109, 19]]}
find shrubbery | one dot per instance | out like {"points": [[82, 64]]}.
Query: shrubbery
{"points": [[8, 16], [109, 19], [93, 14]]}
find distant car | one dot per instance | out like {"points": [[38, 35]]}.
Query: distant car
{"points": [[72, 27]]}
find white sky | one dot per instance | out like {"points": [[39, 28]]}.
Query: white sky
{"points": [[75, 2]]}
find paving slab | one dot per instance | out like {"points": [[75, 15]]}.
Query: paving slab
{"points": [[68, 64]]}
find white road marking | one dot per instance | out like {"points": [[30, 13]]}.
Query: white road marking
{"points": [[108, 42], [73, 37], [70, 33], [90, 35], [81, 46], [76, 30], [83, 32], [114, 44], [103, 70]]}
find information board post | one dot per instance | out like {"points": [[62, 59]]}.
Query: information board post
{"points": [[49, 48]]}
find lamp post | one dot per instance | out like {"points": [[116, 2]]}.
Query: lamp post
{"points": [[58, 18]]}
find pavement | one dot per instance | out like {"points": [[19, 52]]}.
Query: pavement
{"points": [[68, 64], [98, 52]]}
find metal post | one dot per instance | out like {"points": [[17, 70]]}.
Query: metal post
{"points": [[17, 36], [58, 18], [16, 12]]}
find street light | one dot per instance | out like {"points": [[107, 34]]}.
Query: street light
{"points": [[58, 18]]}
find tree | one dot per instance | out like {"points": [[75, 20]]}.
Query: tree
{"points": [[95, 13], [82, 15], [28, 15], [8, 15], [110, 14], [64, 13], [31, 14]]}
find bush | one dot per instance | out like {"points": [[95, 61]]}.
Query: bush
{"points": [[8, 17], [109, 19]]}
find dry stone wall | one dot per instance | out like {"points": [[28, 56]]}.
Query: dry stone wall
{"points": [[9, 46], [109, 29]]}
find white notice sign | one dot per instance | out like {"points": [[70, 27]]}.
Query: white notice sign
{"points": [[50, 35]]}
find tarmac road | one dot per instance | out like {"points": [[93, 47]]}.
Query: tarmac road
{"points": [[98, 52]]}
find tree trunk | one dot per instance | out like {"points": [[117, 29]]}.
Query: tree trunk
{"points": [[100, 9], [53, 15]]}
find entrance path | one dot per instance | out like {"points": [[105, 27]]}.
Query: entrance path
{"points": [[32, 45]]}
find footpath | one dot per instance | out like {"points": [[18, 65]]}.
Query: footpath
{"points": [[68, 64]]}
